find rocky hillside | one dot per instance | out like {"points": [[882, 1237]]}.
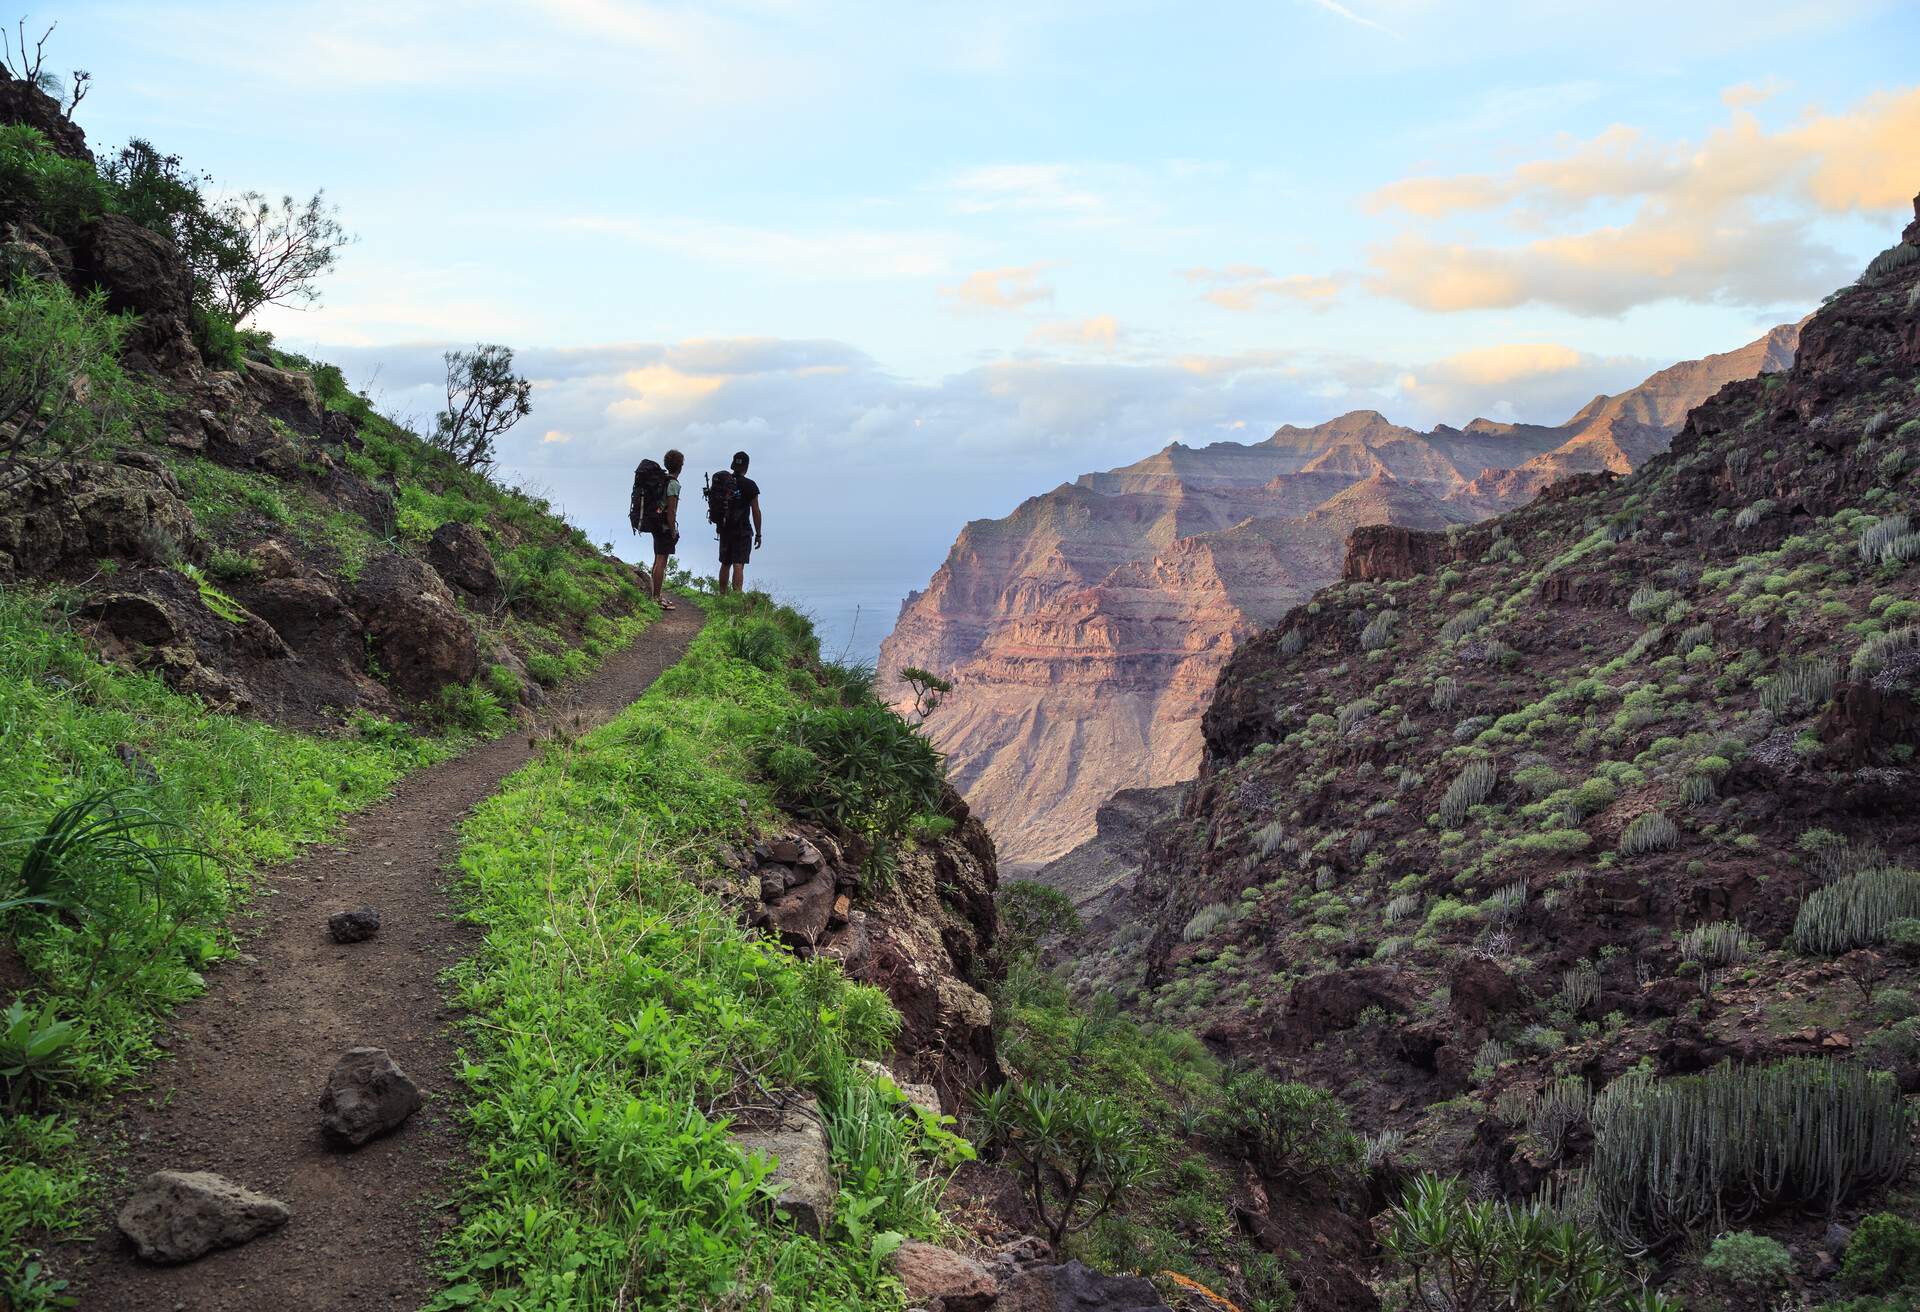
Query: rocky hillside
{"points": [[1521, 823], [1085, 631], [258, 534]]}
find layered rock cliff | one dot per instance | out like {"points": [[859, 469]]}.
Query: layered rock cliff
{"points": [[1085, 631]]}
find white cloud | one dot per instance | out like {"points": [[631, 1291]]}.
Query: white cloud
{"points": [[1244, 287], [1011, 288]]}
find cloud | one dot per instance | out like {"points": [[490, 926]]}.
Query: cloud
{"points": [[1527, 381], [1335, 7], [1010, 288], [554, 437], [1242, 288], [1023, 188], [1721, 220], [1101, 332]]}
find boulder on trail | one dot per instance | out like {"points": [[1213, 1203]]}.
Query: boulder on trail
{"points": [[367, 1095], [355, 926], [179, 1215], [1074, 1287], [796, 1138], [942, 1280]]}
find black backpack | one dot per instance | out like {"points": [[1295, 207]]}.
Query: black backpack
{"points": [[648, 513], [726, 501]]}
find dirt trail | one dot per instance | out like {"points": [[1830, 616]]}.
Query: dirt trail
{"points": [[247, 1061]]}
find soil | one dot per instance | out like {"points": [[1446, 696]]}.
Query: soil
{"points": [[237, 1093]]}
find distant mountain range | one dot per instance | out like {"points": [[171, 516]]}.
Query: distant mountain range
{"points": [[1084, 632]]}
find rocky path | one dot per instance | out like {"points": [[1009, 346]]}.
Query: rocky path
{"points": [[238, 1093]]}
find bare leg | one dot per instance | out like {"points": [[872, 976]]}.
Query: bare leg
{"points": [[659, 579], [739, 578]]}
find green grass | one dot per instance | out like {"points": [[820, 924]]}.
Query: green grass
{"points": [[618, 1012], [245, 794]]}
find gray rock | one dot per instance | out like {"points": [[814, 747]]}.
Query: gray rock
{"points": [[797, 1139], [801, 915], [179, 1215], [1074, 1287], [367, 1095], [355, 926]]}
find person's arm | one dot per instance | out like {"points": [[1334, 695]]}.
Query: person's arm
{"points": [[756, 521], [673, 514]]}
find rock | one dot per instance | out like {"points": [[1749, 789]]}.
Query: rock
{"points": [[1074, 1287], [179, 1215], [1836, 1239], [1387, 551], [416, 629], [797, 1139], [1027, 1250], [852, 946], [28, 252], [22, 102], [272, 559], [367, 1095], [923, 1096], [781, 851], [57, 515], [312, 619], [141, 273], [355, 926], [460, 555], [800, 917], [842, 907], [284, 395], [1481, 990], [131, 757], [936, 1277]]}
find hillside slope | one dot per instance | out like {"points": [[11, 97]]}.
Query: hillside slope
{"points": [[1520, 824], [1085, 631]]}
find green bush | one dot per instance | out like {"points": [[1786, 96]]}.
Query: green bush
{"points": [[61, 383], [861, 766], [1075, 1157], [1030, 913], [1748, 1263], [1293, 1131], [1883, 1257], [39, 184]]}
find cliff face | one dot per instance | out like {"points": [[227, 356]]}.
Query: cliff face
{"points": [[1085, 631]]}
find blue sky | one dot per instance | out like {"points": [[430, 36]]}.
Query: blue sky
{"points": [[927, 260]]}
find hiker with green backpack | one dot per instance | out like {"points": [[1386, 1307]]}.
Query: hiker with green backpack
{"points": [[733, 506], [655, 510]]}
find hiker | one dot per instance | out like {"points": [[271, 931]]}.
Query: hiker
{"points": [[733, 504], [655, 510]]}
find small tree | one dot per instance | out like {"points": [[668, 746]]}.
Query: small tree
{"points": [[1076, 1157], [484, 399], [284, 250], [929, 690], [161, 194], [1292, 1131], [62, 391]]}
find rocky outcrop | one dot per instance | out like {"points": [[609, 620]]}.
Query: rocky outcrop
{"points": [[414, 626], [924, 935], [56, 517], [141, 273], [1085, 632], [1379, 552], [179, 1215], [460, 555], [22, 102]]}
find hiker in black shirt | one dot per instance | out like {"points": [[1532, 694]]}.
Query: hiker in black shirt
{"points": [[737, 515]]}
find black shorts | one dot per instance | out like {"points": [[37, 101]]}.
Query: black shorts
{"points": [[736, 547], [664, 540]]}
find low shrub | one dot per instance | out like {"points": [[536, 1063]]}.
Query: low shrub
{"points": [[1293, 1131], [1747, 1263], [1883, 1256]]}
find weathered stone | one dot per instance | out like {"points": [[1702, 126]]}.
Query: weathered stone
{"points": [[1481, 990], [936, 1277], [58, 514], [851, 946], [284, 395], [272, 559], [842, 907], [416, 629], [142, 273], [923, 1096], [179, 1215], [779, 851], [367, 1095], [796, 1138], [355, 926], [801, 916], [460, 554], [1073, 1287]]}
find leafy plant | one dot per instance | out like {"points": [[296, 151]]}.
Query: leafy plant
{"points": [[1649, 832], [1883, 1256], [1747, 1263], [222, 605], [929, 690], [1075, 1157], [1466, 1256], [861, 766], [1293, 1131], [33, 1051]]}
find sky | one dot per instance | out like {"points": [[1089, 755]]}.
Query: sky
{"points": [[925, 261]]}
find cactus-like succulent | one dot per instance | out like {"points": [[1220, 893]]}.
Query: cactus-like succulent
{"points": [[1648, 601], [1379, 631], [1897, 256], [1472, 786], [1716, 946], [1293, 642], [1671, 1156], [1651, 832], [1878, 538], [1580, 986], [1801, 686], [1445, 693], [1855, 911]]}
